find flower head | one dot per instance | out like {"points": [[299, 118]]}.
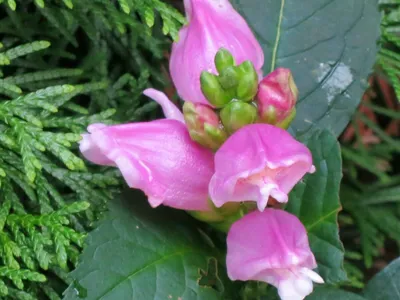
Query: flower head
{"points": [[256, 162], [273, 247], [213, 24]]}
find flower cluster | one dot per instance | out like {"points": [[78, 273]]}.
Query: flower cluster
{"points": [[228, 154]]}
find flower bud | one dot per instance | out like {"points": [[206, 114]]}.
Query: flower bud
{"points": [[277, 95], [237, 114], [223, 60], [213, 90], [203, 125], [213, 24], [229, 78], [248, 82]]}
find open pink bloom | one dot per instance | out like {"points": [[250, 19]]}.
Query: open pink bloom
{"points": [[256, 162], [272, 246], [157, 157], [213, 24]]}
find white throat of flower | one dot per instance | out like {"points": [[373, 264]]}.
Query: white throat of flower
{"points": [[299, 284], [268, 187]]}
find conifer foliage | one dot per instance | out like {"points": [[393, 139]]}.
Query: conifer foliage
{"points": [[63, 65]]}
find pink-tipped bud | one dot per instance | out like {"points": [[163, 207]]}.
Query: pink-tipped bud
{"points": [[204, 125], [277, 96]]}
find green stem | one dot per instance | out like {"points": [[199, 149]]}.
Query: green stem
{"points": [[222, 218]]}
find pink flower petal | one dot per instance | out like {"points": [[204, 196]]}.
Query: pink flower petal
{"points": [[272, 246], [213, 24], [170, 110], [157, 157]]}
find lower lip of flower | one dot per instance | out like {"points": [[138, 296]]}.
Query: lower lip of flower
{"points": [[266, 182]]}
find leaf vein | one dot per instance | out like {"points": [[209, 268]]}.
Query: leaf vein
{"points": [[309, 227], [322, 7], [154, 263], [317, 43]]}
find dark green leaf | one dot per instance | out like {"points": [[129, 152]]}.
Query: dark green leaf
{"points": [[328, 293], [330, 46], [386, 284], [315, 200], [142, 253]]}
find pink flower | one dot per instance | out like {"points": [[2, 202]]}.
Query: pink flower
{"points": [[256, 162], [272, 246], [157, 157], [277, 96], [213, 24]]}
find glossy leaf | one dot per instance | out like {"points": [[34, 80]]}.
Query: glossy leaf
{"points": [[330, 46], [315, 200], [142, 253], [330, 293], [386, 284]]}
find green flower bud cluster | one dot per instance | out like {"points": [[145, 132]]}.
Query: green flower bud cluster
{"points": [[232, 91]]}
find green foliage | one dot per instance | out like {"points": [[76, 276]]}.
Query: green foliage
{"points": [[33, 243], [371, 159], [329, 293], [128, 16], [388, 56], [373, 208], [370, 194], [102, 41], [383, 286], [92, 62], [376, 215], [330, 46], [386, 284], [42, 227], [162, 254], [315, 201]]}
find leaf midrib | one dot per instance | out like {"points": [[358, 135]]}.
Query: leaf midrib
{"points": [[311, 226], [278, 37]]}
